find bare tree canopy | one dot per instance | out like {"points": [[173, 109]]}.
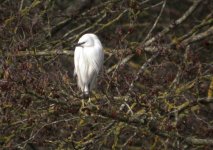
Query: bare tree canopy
{"points": [[155, 91]]}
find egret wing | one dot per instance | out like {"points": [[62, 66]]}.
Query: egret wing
{"points": [[80, 67]]}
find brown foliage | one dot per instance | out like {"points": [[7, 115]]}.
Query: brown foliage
{"points": [[155, 91]]}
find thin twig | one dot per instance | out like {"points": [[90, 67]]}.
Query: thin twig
{"points": [[173, 25], [156, 21]]}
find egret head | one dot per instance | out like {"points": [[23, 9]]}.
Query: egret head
{"points": [[86, 41]]}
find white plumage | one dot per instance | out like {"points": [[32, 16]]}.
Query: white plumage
{"points": [[88, 60]]}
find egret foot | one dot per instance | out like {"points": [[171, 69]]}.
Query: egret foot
{"points": [[82, 106], [89, 101], [90, 104]]}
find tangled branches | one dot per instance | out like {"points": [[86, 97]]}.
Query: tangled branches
{"points": [[155, 91]]}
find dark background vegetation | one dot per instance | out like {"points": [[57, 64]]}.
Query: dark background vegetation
{"points": [[155, 91]]}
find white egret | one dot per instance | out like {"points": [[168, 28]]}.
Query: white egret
{"points": [[88, 60]]}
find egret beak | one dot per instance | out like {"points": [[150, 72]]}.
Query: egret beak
{"points": [[78, 44]]}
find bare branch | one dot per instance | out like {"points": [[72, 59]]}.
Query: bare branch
{"points": [[198, 141], [198, 37], [173, 25], [41, 53]]}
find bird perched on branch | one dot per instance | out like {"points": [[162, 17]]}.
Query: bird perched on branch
{"points": [[88, 60]]}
